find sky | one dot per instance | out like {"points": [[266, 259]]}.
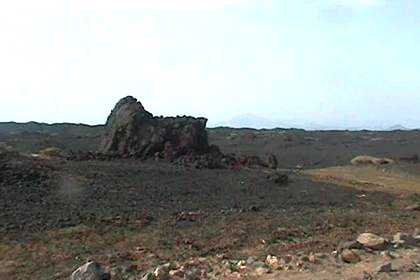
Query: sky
{"points": [[330, 62]]}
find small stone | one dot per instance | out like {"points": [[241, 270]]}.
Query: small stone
{"points": [[383, 268], [366, 276], [241, 265], [349, 256], [176, 273], [162, 272], [260, 271], [250, 261], [312, 258], [193, 274], [413, 207], [372, 241], [272, 262], [402, 240], [90, 271], [387, 254]]}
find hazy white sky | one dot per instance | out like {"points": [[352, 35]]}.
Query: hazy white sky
{"points": [[328, 61]]}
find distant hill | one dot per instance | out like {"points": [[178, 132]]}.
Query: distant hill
{"points": [[397, 127], [32, 136], [258, 122], [62, 128]]}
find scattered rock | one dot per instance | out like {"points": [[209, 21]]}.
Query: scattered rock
{"points": [[383, 268], [188, 216], [366, 276], [372, 241], [387, 254], [195, 274], [407, 266], [90, 271], [312, 258], [177, 273], [250, 260], [272, 262], [413, 207], [403, 239], [349, 256], [241, 265], [162, 272]]}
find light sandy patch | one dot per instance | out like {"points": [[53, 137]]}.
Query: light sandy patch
{"points": [[369, 178]]}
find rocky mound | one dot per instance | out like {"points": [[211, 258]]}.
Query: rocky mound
{"points": [[131, 131]]}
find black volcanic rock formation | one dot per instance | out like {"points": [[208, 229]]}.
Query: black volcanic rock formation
{"points": [[131, 131]]}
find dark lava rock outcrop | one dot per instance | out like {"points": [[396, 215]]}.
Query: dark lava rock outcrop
{"points": [[131, 131]]}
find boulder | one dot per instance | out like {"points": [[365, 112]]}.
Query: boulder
{"points": [[131, 131], [90, 271], [372, 241]]}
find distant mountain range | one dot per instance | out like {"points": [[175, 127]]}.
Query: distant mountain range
{"points": [[397, 127], [258, 122], [240, 121]]}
